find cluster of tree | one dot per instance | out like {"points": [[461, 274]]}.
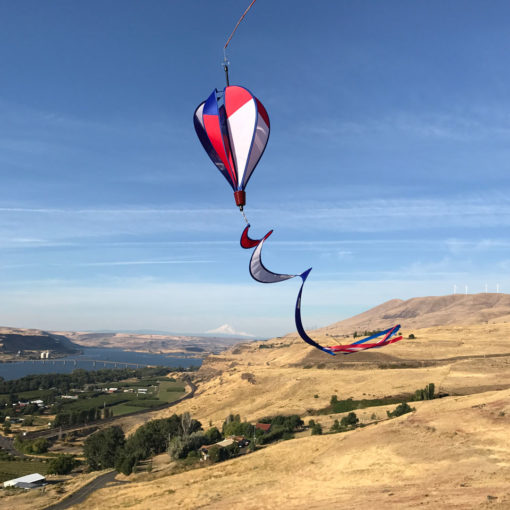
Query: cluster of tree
{"points": [[282, 427], [78, 378], [233, 426], [401, 409], [347, 422], [343, 406], [13, 399], [366, 333], [34, 446], [104, 447], [78, 417], [181, 447], [427, 393], [4, 455], [315, 427], [62, 464], [109, 447], [219, 453]]}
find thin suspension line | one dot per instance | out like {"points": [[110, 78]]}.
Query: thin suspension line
{"points": [[240, 19]]}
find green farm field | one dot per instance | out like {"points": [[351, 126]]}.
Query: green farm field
{"points": [[10, 469]]}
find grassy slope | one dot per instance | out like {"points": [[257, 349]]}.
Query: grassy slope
{"points": [[282, 385], [451, 453]]}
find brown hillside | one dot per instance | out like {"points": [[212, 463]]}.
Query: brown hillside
{"points": [[425, 312], [451, 453]]}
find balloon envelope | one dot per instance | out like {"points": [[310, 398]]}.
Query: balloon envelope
{"points": [[233, 127]]}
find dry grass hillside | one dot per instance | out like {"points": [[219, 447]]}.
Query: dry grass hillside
{"points": [[285, 375], [450, 453], [153, 343], [425, 312]]}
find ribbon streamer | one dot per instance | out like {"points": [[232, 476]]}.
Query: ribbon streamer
{"points": [[263, 275]]}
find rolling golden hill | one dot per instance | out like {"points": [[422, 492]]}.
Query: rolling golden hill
{"points": [[452, 452], [425, 312]]}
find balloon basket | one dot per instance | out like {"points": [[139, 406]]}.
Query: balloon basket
{"points": [[240, 197]]}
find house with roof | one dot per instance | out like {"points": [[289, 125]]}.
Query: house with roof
{"points": [[240, 441], [265, 427], [27, 482]]}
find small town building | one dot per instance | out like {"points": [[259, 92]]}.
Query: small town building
{"points": [[27, 482], [226, 442], [241, 441], [265, 427]]}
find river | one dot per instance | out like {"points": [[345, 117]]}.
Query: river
{"points": [[19, 369]]}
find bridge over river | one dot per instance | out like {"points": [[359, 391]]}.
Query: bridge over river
{"points": [[95, 362]]}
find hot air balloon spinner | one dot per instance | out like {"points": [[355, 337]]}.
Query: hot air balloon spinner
{"points": [[233, 127]]}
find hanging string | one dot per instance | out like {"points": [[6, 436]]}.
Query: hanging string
{"points": [[226, 62], [244, 216], [233, 32]]}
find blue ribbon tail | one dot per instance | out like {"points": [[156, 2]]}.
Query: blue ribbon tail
{"points": [[299, 323]]}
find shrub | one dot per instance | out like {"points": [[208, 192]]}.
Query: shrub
{"points": [[36, 446], [180, 447], [289, 423], [126, 463], [400, 410], [215, 454], [28, 421], [411, 336], [335, 427], [427, 393], [213, 435], [62, 464], [351, 420], [317, 429]]}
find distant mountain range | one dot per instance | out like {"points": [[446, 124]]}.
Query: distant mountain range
{"points": [[416, 313], [424, 312]]}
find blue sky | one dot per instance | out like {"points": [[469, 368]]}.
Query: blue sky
{"points": [[386, 170]]}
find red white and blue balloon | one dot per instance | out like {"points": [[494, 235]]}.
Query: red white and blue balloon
{"points": [[233, 127]]}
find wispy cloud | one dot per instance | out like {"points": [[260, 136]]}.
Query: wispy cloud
{"points": [[142, 262], [39, 226], [466, 126]]}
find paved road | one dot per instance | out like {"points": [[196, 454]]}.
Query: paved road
{"points": [[82, 494], [101, 481], [8, 445]]}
